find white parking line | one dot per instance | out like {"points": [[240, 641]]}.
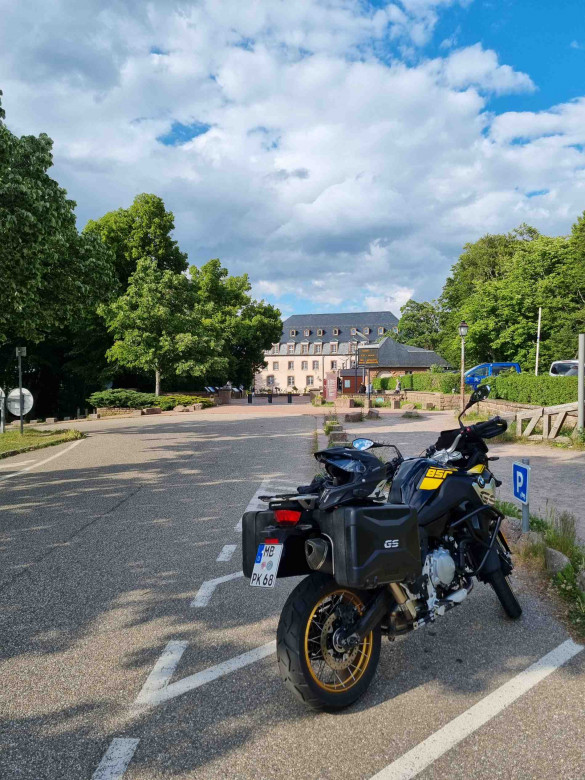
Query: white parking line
{"points": [[163, 671], [227, 551], [205, 592], [424, 754], [42, 462], [115, 761], [14, 465], [160, 695]]}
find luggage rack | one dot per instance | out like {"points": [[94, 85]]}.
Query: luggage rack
{"points": [[307, 501]]}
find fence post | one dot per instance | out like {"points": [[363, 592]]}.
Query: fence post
{"points": [[289, 398], [250, 398]]}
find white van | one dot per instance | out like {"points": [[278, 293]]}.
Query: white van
{"points": [[564, 368]]}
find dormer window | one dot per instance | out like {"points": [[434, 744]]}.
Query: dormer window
{"points": [[395, 329], [293, 332], [336, 331], [304, 348], [353, 331], [275, 349], [307, 332], [381, 331], [334, 348], [367, 331], [320, 332]]}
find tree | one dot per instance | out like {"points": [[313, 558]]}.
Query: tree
{"points": [[49, 273], [249, 326], [420, 324], [160, 327], [141, 231]]}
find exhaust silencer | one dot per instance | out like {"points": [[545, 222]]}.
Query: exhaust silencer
{"points": [[319, 555]]}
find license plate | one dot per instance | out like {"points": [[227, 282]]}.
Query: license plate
{"points": [[266, 565]]}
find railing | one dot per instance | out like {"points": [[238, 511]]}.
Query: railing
{"points": [[551, 419]]}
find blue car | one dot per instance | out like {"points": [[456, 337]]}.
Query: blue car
{"points": [[474, 376]]}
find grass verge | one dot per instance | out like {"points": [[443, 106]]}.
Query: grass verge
{"points": [[12, 443], [558, 531]]}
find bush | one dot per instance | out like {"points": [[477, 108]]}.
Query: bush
{"points": [[542, 390], [132, 399]]}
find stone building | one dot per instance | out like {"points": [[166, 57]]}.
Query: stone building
{"points": [[312, 345]]}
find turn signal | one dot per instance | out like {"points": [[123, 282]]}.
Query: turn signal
{"points": [[287, 516]]}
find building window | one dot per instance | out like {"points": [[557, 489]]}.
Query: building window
{"points": [[309, 381], [307, 332], [290, 381], [380, 331], [293, 332], [275, 366], [334, 348], [367, 331], [275, 349], [317, 349], [353, 331], [270, 381], [336, 331], [291, 365], [315, 365], [304, 365], [395, 329], [347, 382], [304, 349], [320, 332], [334, 365], [291, 349]]}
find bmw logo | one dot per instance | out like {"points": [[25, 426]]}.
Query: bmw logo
{"points": [[481, 481]]}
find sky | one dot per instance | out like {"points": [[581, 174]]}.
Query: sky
{"points": [[340, 152]]}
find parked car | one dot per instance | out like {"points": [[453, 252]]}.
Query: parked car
{"points": [[474, 376], [564, 368]]}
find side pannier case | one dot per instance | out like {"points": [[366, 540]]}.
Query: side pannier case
{"points": [[373, 545]]}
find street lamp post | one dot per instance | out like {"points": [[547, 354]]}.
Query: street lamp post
{"points": [[463, 328]]}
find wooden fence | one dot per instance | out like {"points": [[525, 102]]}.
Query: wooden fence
{"points": [[550, 418]]}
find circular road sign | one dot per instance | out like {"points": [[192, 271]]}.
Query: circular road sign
{"points": [[13, 401]]}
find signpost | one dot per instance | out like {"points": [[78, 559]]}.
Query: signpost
{"points": [[2, 411], [368, 356], [521, 485], [330, 386], [20, 353]]}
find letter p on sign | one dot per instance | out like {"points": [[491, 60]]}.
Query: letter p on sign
{"points": [[521, 481]]}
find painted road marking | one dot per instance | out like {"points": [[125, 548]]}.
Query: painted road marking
{"points": [[42, 462], [14, 465], [227, 552], [427, 752], [167, 692], [163, 670], [115, 761], [205, 592]]}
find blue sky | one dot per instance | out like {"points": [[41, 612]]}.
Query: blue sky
{"points": [[340, 152]]}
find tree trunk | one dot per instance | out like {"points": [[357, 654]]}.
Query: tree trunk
{"points": [[157, 382]]}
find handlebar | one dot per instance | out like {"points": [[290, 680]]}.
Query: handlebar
{"points": [[489, 429]]}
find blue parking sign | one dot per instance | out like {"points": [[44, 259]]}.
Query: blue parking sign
{"points": [[521, 481]]}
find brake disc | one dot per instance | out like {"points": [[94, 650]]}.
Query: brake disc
{"points": [[332, 658]]}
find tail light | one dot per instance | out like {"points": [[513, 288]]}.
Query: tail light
{"points": [[287, 516]]}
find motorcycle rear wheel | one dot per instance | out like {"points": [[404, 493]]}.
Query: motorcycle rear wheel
{"points": [[310, 666]]}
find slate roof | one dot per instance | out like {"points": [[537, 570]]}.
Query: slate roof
{"points": [[342, 320], [391, 354]]}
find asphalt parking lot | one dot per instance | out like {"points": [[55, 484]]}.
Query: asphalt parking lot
{"points": [[132, 646]]}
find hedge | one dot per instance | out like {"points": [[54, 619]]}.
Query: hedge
{"points": [[542, 390], [424, 382], [132, 399]]}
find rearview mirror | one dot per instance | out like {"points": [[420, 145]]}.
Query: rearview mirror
{"points": [[479, 394], [362, 444]]}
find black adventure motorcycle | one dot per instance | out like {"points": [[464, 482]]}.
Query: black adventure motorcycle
{"points": [[376, 564]]}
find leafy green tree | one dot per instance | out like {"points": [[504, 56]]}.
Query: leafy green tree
{"points": [[420, 324], [160, 327], [249, 326], [50, 274], [141, 231]]}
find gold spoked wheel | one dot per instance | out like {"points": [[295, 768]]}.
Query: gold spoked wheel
{"points": [[333, 669]]}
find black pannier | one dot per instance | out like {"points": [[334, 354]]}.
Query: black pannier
{"points": [[372, 545], [254, 524]]}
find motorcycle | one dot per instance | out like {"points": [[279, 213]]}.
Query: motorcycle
{"points": [[378, 564]]}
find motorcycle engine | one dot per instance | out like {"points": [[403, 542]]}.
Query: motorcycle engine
{"points": [[441, 568]]}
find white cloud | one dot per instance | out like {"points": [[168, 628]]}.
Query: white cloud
{"points": [[333, 170]]}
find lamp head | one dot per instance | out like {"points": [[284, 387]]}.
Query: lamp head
{"points": [[463, 328]]}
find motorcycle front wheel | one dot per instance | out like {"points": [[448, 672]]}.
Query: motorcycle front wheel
{"points": [[311, 666]]}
